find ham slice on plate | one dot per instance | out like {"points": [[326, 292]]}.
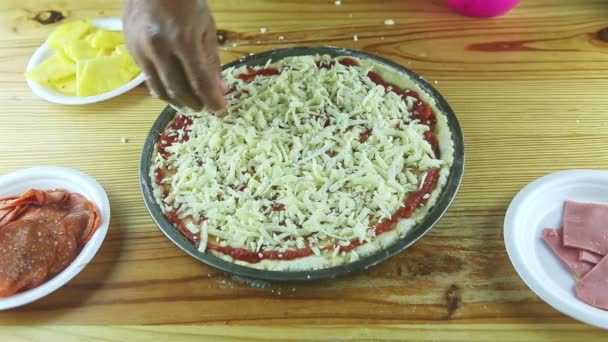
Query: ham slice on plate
{"points": [[568, 256], [589, 257], [586, 226], [593, 288]]}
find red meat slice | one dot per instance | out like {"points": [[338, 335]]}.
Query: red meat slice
{"points": [[80, 215], [13, 206], [593, 288], [27, 250], [83, 217], [9, 214], [586, 226], [41, 233], [33, 196], [567, 255], [589, 257], [65, 241]]}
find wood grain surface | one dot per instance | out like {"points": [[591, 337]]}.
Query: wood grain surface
{"points": [[530, 91]]}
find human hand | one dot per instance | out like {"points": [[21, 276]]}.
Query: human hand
{"points": [[175, 43]]}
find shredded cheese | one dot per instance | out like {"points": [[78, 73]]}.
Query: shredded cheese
{"points": [[288, 166]]}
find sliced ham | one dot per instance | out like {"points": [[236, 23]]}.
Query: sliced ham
{"points": [[593, 287], [586, 226], [568, 256], [589, 257]]}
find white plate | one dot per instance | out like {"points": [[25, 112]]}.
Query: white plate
{"points": [[53, 178], [540, 205], [44, 52]]}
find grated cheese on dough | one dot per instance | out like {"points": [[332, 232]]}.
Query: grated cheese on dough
{"points": [[287, 168]]}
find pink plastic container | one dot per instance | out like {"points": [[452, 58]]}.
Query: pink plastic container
{"points": [[482, 8]]}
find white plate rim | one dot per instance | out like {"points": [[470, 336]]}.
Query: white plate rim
{"points": [[44, 51], [578, 310], [89, 250]]}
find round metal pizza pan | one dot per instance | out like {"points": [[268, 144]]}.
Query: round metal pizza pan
{"points": [[243, 272]]}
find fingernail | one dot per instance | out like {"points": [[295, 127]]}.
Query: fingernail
{"points": [[223, 84], [221, 110]]}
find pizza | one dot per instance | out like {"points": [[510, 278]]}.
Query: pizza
{"points": [[318, 162]]}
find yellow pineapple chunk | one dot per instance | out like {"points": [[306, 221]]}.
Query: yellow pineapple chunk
{"points": [[89, 36], [121, 50], [105, 52], [66, 86], [104, 39], [52, 69], [79, 49], [68, 32], [88, 61], [128, 63], [99, 75]]}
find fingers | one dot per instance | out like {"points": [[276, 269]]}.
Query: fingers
{"points": [[166, 76], [179, 57], [153, 81], [202, 69], [212, 59], [155, 85], [174, 79]]}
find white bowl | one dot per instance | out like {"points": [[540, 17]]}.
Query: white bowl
{"points": [[53, 178], [540, 205], [44, 52]]}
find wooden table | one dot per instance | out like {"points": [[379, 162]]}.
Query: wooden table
{"points": [[530, 90]]}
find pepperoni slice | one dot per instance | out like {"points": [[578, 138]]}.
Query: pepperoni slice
{"points": [[9, 214], [65, 242], [84, 217], [94, 222], [34, 196], [41, 233], [49, 213], [27, 250], [77, 223], [81, 216], [13, 206], [67, 247]]}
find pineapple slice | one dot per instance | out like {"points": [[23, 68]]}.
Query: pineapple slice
{"points": [[52, 69], [104, 39], [101, 74], [88, 61], [128, 63], [104, 52], [78, 50], [66, 86], [69, 32], [89, 36], [122, 50]]}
